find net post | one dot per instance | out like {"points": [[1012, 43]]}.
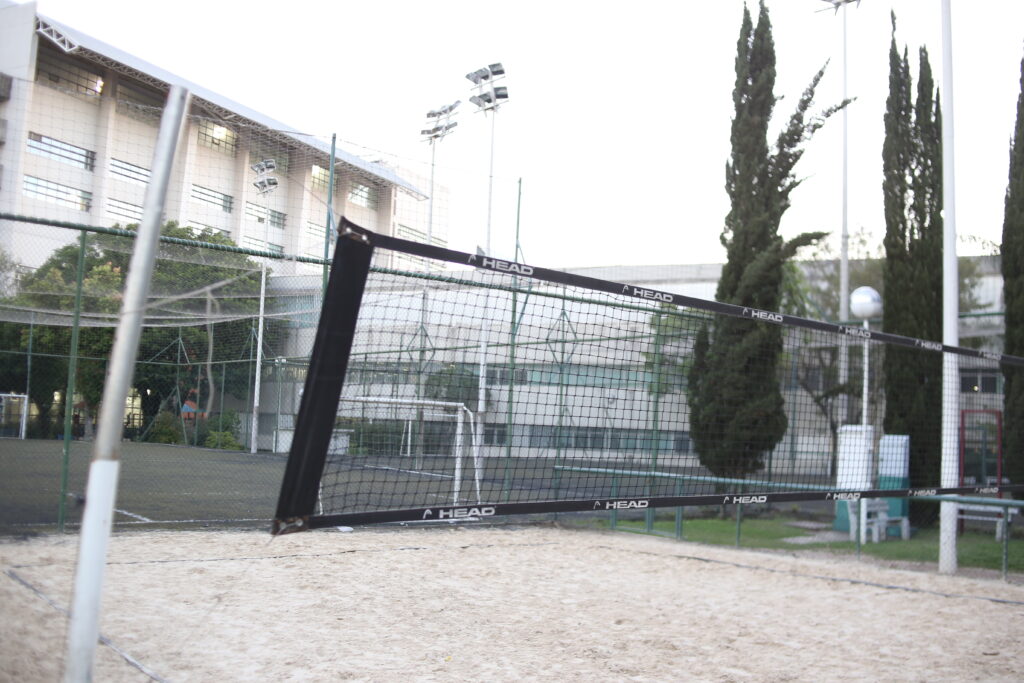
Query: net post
{"points": [[679, 511], [69, 397], [950, 305], [321, 393]]}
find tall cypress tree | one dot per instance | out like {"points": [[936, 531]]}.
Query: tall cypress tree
{"points": [[912, 189], [1013, 296], [736, 406]]}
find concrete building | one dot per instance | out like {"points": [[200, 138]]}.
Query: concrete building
{"points": [[78, 123]]}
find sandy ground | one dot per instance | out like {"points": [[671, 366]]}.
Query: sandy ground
{"points": [[499, 604]]}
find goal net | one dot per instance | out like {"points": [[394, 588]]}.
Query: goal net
{"points": [[13, 415], [478, 387], [423, 448]]}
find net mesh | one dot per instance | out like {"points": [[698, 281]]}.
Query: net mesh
{"points": [[603, 393]]}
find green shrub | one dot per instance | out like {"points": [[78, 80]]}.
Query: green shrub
{"points": [[224, 440], [166, 428]]}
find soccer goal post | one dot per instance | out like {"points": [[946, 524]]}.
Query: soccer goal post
{"points": [[478, 387], [14, 415], [408, 440]]}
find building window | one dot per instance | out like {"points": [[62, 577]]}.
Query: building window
{"points": [[260, 245], [130, 172], [495, 435], [315, 231], [118, 209], [208, 196], [55, 193], [259, 214], [321, 177], [65, 152], [416, 235], [501, 375], [588, 437], [315, 239], [258, 151], [363, 195], [138, 102], [67, 73], [979, 382], [200, 227], [213, 134]]}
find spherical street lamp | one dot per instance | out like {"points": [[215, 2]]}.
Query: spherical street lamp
{"points": [[866, 303]]}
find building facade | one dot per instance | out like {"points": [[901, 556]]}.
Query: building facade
{"points": [[78, 124]]}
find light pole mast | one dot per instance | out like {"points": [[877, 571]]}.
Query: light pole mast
{"points": [[265, 184], [439, 124], [488, 97]]}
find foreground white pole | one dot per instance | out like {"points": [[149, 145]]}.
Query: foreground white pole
{"points": [[950, 310], [101, 492]]}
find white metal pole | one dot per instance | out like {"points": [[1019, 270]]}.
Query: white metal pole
{"points": [[844, 252], [490, 180], [864, 379], [430, 203], [862, 511], [950, 309], [255, 422], [101, 491]]}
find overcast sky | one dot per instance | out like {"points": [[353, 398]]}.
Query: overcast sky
{"points": [[618, 117]]}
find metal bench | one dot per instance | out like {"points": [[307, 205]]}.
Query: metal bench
{"points": [[876, 520], [1003, 517]]}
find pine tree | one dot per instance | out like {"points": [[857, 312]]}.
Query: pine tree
{"points": [[1013, 295], [912, 189], [736, 406]]}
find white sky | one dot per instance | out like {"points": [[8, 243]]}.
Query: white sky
{"points": [[618, 118]]}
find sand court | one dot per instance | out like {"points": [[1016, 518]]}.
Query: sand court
{"points": [[502, 604]]}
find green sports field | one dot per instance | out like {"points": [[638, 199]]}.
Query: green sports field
{"points": [[159, 485]]}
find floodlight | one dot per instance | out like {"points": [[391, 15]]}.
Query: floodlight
{"points": [[443, 111], [478, 101], [265, 166], [264, 185], [500, 93], [496, 69], [479, 76]]}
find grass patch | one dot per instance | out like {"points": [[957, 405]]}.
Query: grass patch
{"points": [[754, 532], [974, 548]]}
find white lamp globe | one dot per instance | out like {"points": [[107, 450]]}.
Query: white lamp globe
{"points": [[865, 303]]}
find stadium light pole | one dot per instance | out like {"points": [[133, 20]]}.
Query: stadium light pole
{"points": [[265, 183], [844, 242], [439, 125], [488, 97]]}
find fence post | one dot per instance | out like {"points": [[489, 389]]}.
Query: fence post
{"points": [[69, 396], [679, 512]]}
